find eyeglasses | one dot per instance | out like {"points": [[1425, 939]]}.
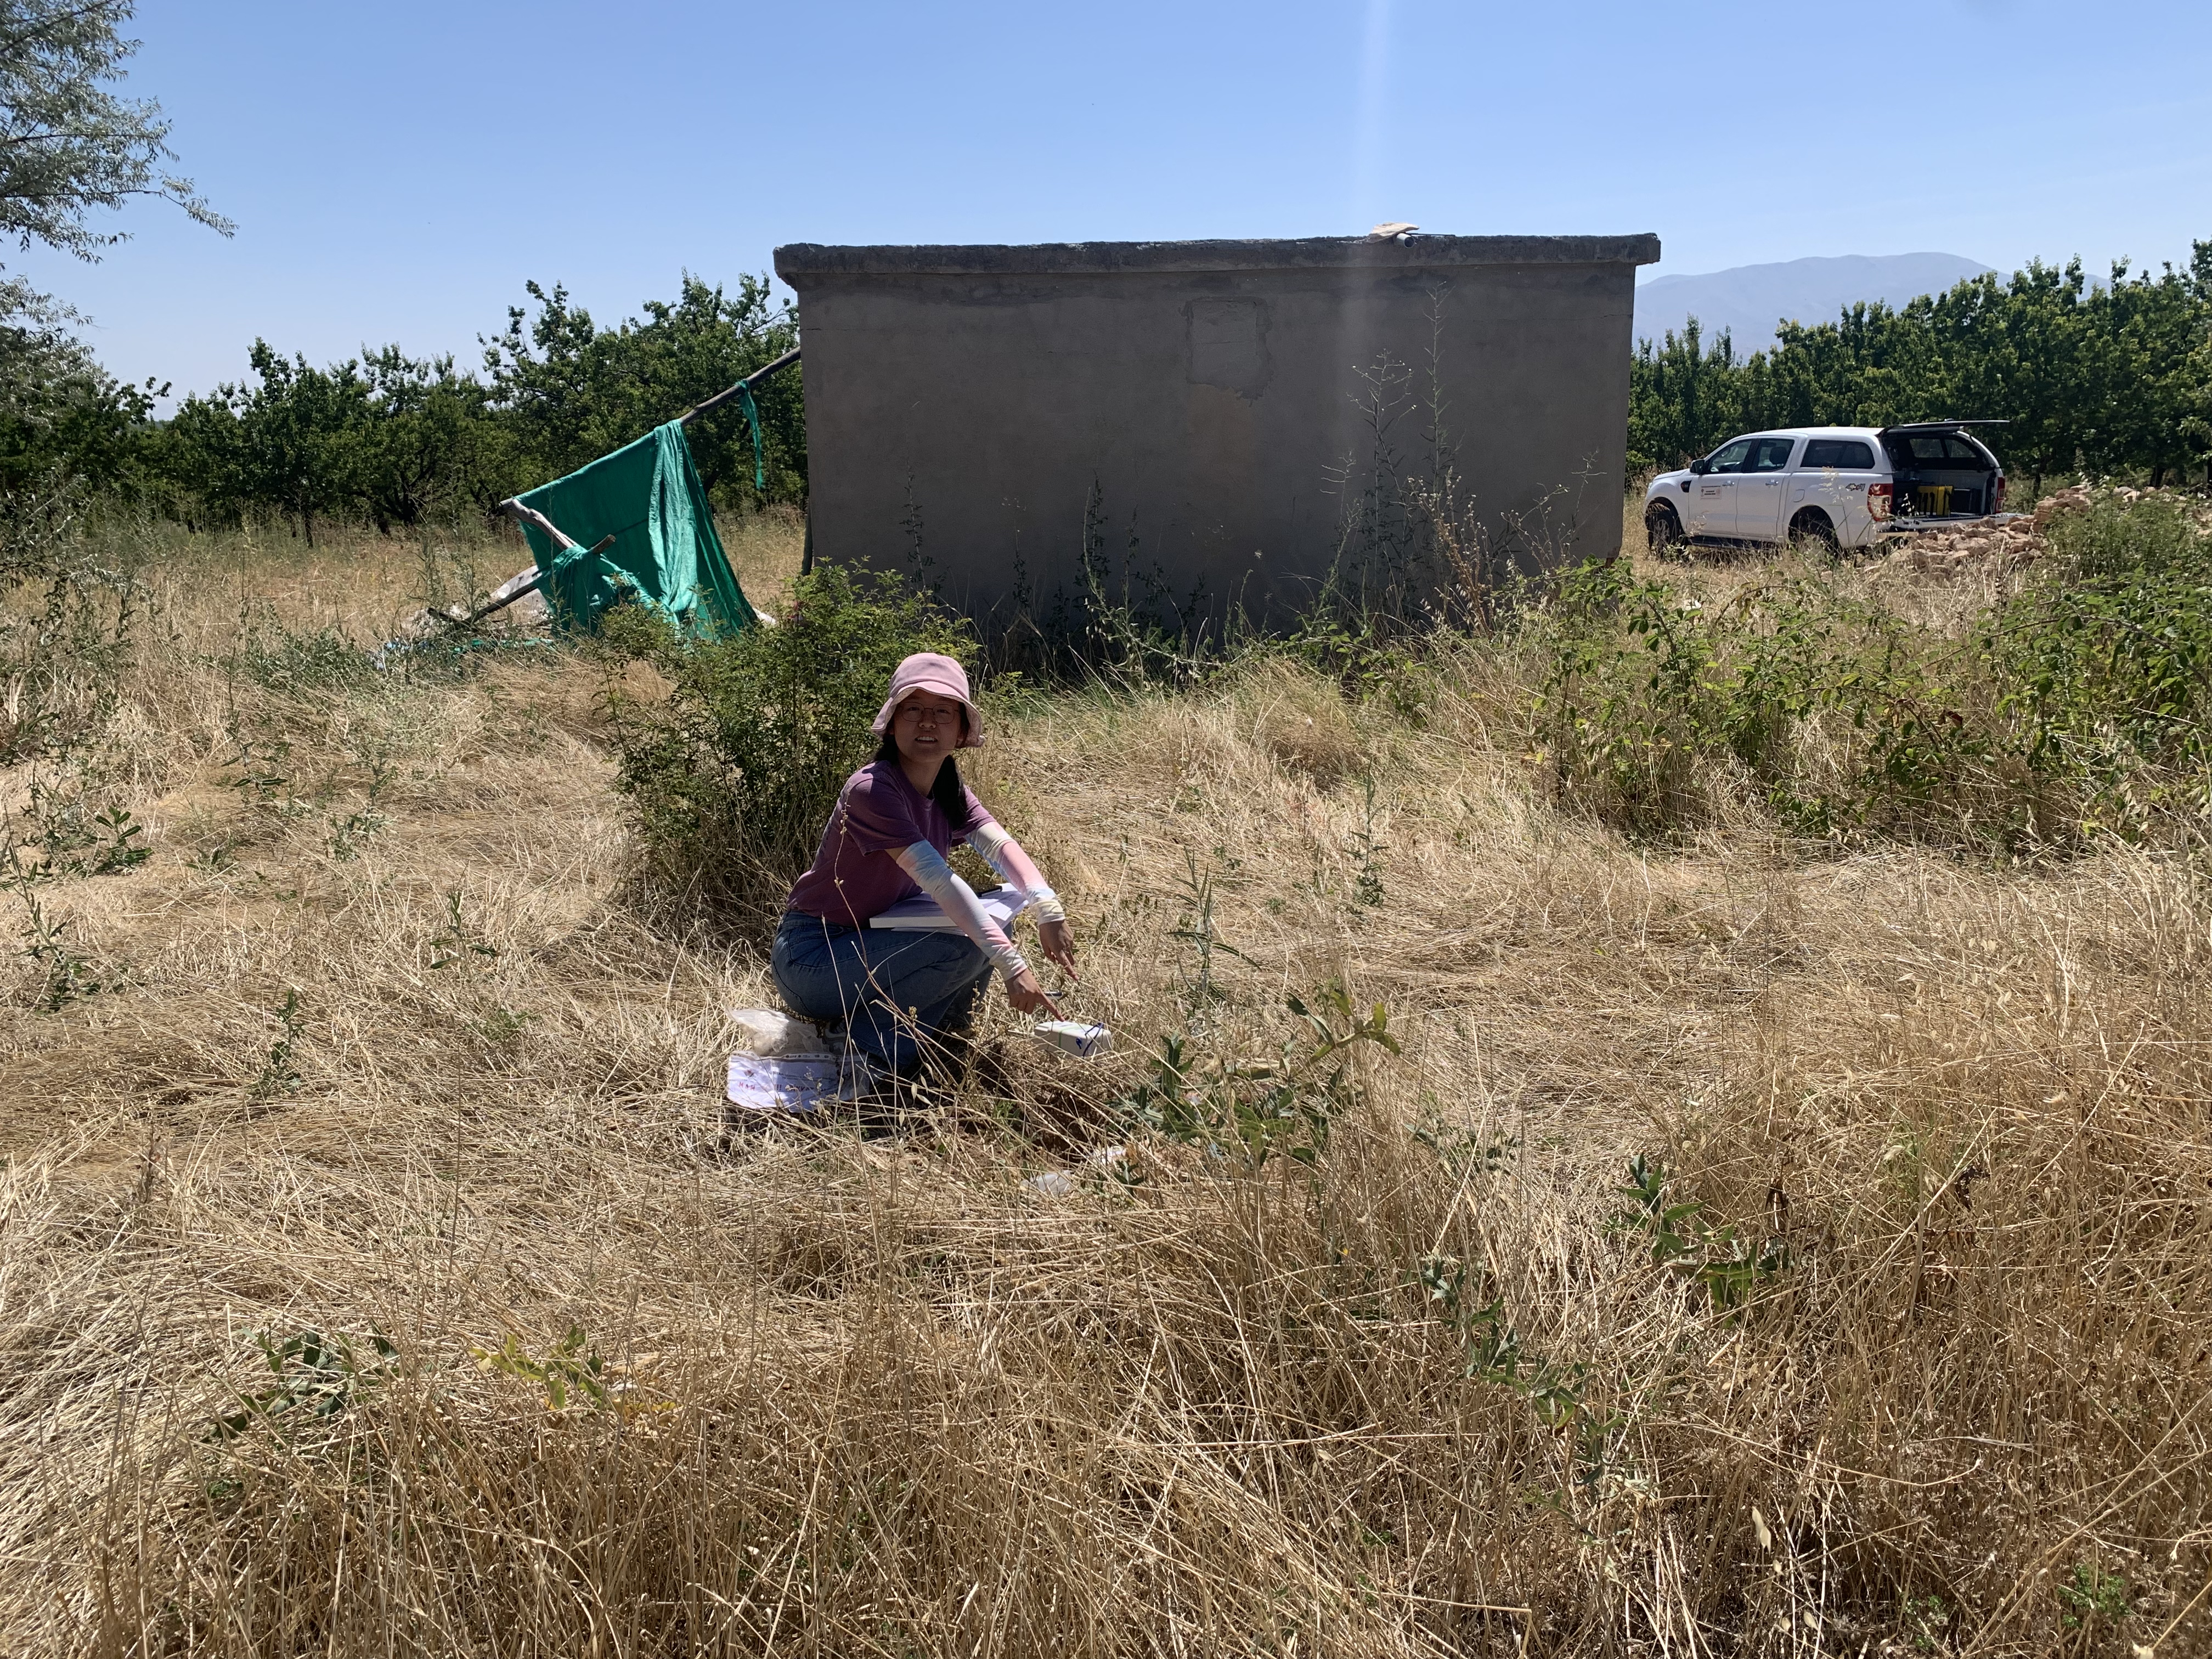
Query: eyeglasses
{"points": [[914, 714]]}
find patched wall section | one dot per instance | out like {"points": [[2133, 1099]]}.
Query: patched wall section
{"points": [[1227, 345]]}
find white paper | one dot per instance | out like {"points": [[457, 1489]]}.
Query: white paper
{"points": [[760, 1084], [1001, 904]]}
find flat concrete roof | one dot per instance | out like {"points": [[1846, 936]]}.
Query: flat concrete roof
{"points": [[1312, 252]]}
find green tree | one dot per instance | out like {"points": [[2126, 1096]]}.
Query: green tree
{"points": [[2034, 368], [431, 448], [570, 391], [2113, 377], [2195, 400], [61, 413], [1684, 398], [295, 443], [390, 438], [2139, 334], [70, 145], [1871, 366]]}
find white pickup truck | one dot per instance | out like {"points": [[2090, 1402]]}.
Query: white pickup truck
{"points": [[1847, 486]]}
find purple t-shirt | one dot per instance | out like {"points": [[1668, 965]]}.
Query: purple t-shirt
{"points": [[855, 873]]}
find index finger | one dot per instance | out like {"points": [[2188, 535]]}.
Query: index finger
{"points": [[1050, 1003]]}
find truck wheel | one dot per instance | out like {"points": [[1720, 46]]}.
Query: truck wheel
{"points": [[1813, 526], [1662, 531]]}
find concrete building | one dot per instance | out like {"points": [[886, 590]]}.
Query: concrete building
{"points": [[1204, 412]]}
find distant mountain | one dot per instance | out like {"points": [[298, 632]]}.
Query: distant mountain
{"points": [[1749, 299]]}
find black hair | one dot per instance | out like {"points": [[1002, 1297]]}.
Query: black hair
{"points": [[950, 798]]}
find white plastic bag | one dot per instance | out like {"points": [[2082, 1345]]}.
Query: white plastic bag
{"points": [[774, 1035]]}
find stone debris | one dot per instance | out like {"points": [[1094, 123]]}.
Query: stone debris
{"points": [[2075, 500], [2008, 546], [2010, 541], [2013, 540]]}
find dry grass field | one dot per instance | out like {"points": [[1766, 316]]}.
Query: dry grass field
{"points": [[377, 1275]]}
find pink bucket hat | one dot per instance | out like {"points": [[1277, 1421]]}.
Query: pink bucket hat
{"points": [[926, 671]]}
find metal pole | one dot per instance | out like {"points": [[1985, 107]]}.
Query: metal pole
{"points": [[530, 587], [751, 381]]}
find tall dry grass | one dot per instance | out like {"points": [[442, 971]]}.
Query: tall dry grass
{"points": [[874, 1398]]}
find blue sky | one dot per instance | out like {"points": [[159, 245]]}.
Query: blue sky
{"points": [[397, 171]]}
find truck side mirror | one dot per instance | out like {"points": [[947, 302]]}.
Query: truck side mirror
{"points": [[1701, 467]]}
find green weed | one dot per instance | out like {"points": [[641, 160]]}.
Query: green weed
{"points": [[1461, 1150], [2092, 1593], [458, 942], [63, 661], [263, 777], [314, 1377], [1367, 849], [571, 1365], [1557, 1391], [503, 1027], [278, 1076], [69, 974], [2080, 706], [75, 829], [1731, 1270], [217, 859], [286, 660], [1287, 1104], [1927, 1622], [1200, 988], [350, 834], [2105, 666]]}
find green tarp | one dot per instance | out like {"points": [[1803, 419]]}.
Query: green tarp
{"points": [[666, 555]]}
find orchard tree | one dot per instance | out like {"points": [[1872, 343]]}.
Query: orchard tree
{"points": [[1684, 396], [295, 443], [2106, 377], [429, 450], [2197, 380]]}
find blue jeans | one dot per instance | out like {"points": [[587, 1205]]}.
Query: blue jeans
{"points": [[894, 990]]}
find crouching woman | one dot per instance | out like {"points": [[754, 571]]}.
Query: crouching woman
{"points": [[900, 992]]}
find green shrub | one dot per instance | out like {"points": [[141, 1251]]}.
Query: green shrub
{"points": [[732, 776], [1659, 709], [67, 621], [2081, 705], [2107, 664], [281, 658]]}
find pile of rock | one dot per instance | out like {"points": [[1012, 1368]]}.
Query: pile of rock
{"points": [[2008, 542], [2075, 500], [2016, 539]]}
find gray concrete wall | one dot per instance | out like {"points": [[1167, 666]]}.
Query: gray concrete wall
{"points": [[972, 396]]}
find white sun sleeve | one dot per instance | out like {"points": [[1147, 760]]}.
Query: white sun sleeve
{"points": [[930, 873], [1003, 855]]}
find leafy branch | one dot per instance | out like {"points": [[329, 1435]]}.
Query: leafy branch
{"points": [[1286, 1105], [1730, 1269], [1495, 1354], [314, 1375]]}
